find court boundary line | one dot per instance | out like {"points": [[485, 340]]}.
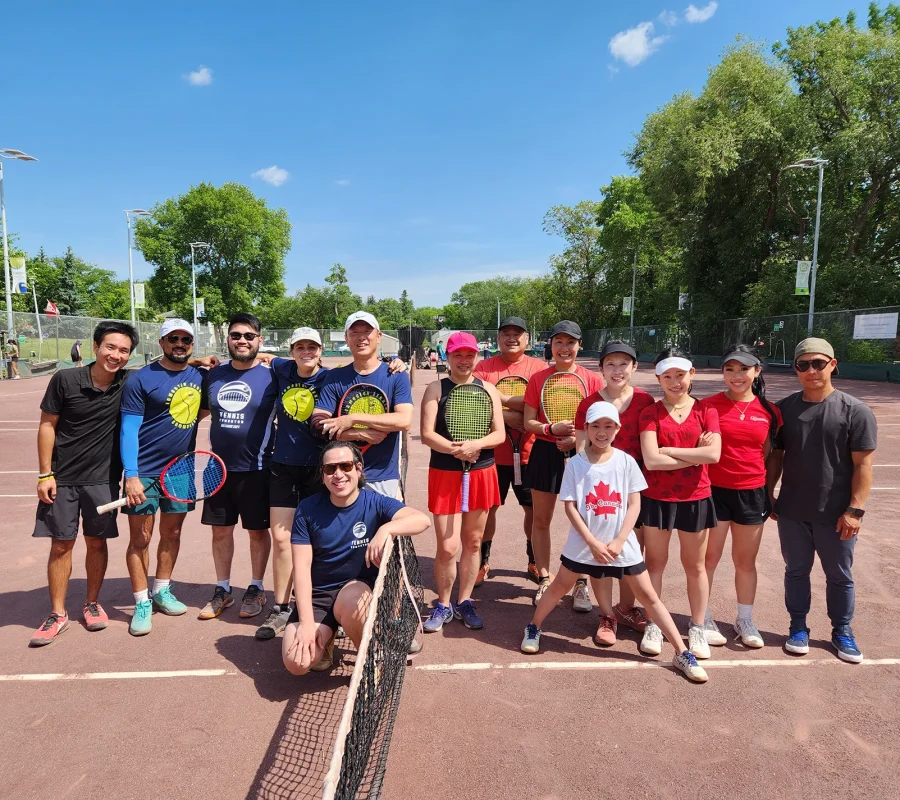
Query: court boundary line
{"points": [[116, 676], [621, 664]]}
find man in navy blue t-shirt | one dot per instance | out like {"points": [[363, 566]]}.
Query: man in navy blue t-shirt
{"points": [[338, 539], [240, 394], [382, 459]]}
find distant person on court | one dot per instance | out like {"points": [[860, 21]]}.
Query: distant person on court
{"points": [[823, 454], [382, 459], [457, 530], [75, 354], [160, 409], [338, 540], [79, 469], [12, 354]]}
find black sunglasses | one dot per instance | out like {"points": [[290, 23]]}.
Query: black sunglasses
{"points": [[235, 336], [345, 466], [175, 339], [818, 364]]}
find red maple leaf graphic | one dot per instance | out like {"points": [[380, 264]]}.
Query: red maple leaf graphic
{"points": [[602, 501]]}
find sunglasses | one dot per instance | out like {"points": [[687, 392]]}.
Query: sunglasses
{"points": [[235, 336], [174, 339], [818, 364], [344, 466]]}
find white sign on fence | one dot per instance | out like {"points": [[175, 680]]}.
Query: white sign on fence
{"points": [[336, 336], [875, 326]]}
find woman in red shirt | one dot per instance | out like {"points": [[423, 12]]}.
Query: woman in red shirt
{"points": [[679, 438], [748, 423]]}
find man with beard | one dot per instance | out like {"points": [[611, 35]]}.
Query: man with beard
{"points": [[241, 395], [160, 408]]}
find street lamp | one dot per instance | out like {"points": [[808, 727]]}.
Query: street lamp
{"points": [[12, 155], [194, 280], [813, 163], [129, 213]]}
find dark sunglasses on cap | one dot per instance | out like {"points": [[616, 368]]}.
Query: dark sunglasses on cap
{"points": [[344, 466], [175, 339], [236, 336], [818, 364]]}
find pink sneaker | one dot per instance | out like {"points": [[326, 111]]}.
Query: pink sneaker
{"points": [[633, 617], [606, 632], [95, 618], [49, 630]]}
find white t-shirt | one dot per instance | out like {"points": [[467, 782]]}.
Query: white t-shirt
{"points": [[600, 493]]}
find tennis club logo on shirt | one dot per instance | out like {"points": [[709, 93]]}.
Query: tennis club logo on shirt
{"points": [[603, 501], [359, 534], [234, 396], [298, 402], [184, 405]]}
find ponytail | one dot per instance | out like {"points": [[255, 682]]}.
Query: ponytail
{"points": [[758, 387]]}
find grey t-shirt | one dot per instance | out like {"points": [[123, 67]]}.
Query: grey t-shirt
{"points": [[817, 439]]}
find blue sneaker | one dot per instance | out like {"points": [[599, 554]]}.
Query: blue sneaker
{"points": [[532, 641], [842, 640], [798, 642], [439, 615], [142, 620], [167, 603], [465, 611]]}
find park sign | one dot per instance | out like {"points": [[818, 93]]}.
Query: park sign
{"points": [[51, 310], [140, 298], [801, 285], [19, 278]]}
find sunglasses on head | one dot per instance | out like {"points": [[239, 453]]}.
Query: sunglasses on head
{"points": [[344, 466], [175, 339], [818, 364], [236, 336]]}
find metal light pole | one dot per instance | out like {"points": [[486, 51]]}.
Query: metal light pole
{"points": [[137, 212], [498, 313], [633, 304], [813, 163], [13, 155], [194, 281]]}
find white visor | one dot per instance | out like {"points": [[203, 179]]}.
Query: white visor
{"points": [[674, 363]]}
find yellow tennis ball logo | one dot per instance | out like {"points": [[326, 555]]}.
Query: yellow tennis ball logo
{"points": [[298, 403], [184, 405]]}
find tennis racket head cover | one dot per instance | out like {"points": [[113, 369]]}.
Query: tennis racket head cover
{"points": [[193, 476], [363, 398], [561, 395], [468, 412]]}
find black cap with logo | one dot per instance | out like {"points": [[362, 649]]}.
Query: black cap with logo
{"points": [[513, 322]]}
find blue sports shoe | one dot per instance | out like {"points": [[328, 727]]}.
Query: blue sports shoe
{"points": [[842, 640], [798, 642], [167, 603], [141, 622], [439, 615], [465, 611]]}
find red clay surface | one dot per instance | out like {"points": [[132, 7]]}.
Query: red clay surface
{"points": [[248, 729]]}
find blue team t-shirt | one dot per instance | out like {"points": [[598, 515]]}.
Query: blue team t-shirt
{"points": [[381, 460], [340, 536], [169, 402], [241, 403], [294, 441]]}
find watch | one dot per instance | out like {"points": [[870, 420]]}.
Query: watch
{"points": [[855, 512]]}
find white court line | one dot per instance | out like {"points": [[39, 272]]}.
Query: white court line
{"points": [[613, 664], [32, 495], [118, 676]]}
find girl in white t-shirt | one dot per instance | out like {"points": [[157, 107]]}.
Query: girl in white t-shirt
{"points": [[601, 490]]}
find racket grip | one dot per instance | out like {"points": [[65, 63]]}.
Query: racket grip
{"points": [[465, 491], [517, 469], [122, 501]]}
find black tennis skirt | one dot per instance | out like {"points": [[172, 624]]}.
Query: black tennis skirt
{"points": [[687, 516], [546, 466]]}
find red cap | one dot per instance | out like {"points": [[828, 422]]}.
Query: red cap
{"points": [[461, 341]]}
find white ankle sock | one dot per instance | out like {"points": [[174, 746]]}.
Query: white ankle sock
{"points": [[226, 584], [257, 584], [159, 584], [745, 611], [139, 597]]}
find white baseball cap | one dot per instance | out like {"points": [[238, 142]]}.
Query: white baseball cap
{"points": [[172, 325], [602, 410], [305, 334], [361, 316]]}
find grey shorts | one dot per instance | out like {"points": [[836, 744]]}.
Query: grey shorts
{"points": [[59, 519], [389, 488]]}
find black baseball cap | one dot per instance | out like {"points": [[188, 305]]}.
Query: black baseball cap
{"points": [[513, 322], [617, 347], [567, 327]]}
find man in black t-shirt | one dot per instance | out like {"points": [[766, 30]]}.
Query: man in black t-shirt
{"points": [[80, 468]]}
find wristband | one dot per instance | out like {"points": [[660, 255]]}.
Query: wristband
{"points": [[46, 477], [548, 430]]}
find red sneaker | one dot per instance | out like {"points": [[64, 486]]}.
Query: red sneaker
{"points": [[95, 618], [483, 573], [533, 573], [633, 617], [49, 630], [606, 632]]}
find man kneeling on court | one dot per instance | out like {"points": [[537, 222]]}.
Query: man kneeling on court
{"points": [[338, 540]]}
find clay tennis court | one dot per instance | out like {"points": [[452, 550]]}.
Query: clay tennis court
{"points": [[201, 709]]}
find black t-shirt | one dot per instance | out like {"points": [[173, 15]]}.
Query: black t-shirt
{"points": [[444, 460], [818, 439], [87, 433]]}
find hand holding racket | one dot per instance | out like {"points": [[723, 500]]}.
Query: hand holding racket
{"points": [[561, 395], [188, 478], [514, 386], [468, 412], [361, 398]]}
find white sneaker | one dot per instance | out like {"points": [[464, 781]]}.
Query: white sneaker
{"points": [[581, 598], [713, 634], [542, 587], [746, 631], [697, 643], [687, 663], [651, 644]]}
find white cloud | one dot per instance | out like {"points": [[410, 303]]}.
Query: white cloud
{"points": [[202, 76], [274, 175], [342, 182], [694, 14], [668, 18], [635, 44]]}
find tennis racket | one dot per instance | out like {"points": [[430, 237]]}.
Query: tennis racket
{"points": [[363, 398], [468, 412], [561, 395], [186, 479], [514, 386]]}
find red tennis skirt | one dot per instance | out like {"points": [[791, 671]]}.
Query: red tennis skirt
{"points": [[445, 490]]}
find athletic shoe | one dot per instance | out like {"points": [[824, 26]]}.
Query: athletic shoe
{"points": [[326, 661], [167, 603], [651, 644], [798, 642], [440, 614], [465, 611], [542, 587], [633, 618], [415, 646], [253, 602], [531, 572], [697, 642], [713, 634], [687, 663], [842, 640], [142, 620], [95, 618], [606, 632], [746, 631], [275, 623], [532, 641], [581, 598], [50, 628], [214, 608], [483, 573]]}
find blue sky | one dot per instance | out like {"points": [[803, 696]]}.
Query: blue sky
{"points": [[418, 143]]}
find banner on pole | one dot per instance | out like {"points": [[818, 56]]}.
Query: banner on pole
{"points": [[19, 278], [51, 310], [682, 300], [140, 298], [201, 307], [626, 306], [801, 285]]}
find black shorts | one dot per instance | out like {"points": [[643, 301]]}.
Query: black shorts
{"points": [[687, 516], [742, 506], [245, 494], [546, 466], [602, 570], [323, 601], [59, 519], [289, 484], [505, 477]]}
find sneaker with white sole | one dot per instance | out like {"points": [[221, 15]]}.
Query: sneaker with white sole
{"points": [[687, 663], [798, 642], [697, 642], [651, 643], [532, 641], [713, 634], [842, 640], [542, 587], [275, 623], [746, 631], [440, 616], [581, 598]]}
